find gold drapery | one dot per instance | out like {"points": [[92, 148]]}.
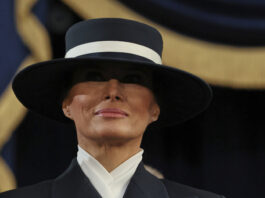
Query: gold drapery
{"points": [[36, 38]]}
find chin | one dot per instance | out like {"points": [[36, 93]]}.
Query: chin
{"points": [[114, 131], [120, 132]]}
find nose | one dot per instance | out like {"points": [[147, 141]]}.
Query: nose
{"points": [[114, 91]]}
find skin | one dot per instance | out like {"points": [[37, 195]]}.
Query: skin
{"points": [[110, 138]]}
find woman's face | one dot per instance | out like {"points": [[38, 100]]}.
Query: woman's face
{"points": [[106, 106]]}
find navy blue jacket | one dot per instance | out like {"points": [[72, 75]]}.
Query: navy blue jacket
{"points": [[74, 184]]}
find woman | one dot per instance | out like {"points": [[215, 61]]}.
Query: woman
{"points": [[112, 86]]}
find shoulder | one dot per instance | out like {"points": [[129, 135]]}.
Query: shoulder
{"points": [[40, 190], [174, 188]]}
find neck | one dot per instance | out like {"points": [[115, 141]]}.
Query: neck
{"points": [[111, 155]]}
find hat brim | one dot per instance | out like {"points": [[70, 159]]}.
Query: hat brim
{"points": [[181, 94]]}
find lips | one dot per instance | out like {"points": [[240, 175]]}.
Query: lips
{"points": [[111, 113]]}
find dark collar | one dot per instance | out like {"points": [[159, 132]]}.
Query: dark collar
{"points": [[74, 184]]}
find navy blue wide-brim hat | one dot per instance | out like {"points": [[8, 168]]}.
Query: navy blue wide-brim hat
{"points": [[112, 42]]}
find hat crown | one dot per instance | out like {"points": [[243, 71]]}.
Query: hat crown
{"points": [[113, 32]]}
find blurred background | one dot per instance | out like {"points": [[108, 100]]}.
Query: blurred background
{"points": [[221, 150]]}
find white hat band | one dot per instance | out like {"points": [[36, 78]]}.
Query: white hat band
{"points": [[114, 46]]}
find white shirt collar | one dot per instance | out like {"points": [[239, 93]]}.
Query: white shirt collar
{"points": [[108, 185]]}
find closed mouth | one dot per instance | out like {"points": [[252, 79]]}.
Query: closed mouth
{"points": [[111, 112]]}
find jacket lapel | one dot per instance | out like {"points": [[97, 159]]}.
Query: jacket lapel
{"points": [[145, 185], [73, 184]]}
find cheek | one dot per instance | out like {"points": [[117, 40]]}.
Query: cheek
{"points": [[142, 107], [81, 107]]}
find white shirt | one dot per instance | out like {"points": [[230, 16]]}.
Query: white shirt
{"points": [[108, 185]]}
